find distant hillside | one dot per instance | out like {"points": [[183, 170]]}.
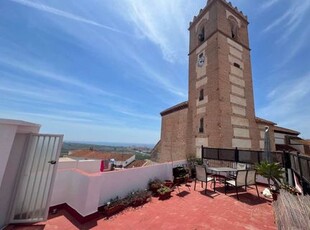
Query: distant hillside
{"points": [[140, 152]]}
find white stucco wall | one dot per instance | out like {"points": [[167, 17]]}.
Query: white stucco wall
{"points": [[85, 192], [7, 135], [12, 141]]}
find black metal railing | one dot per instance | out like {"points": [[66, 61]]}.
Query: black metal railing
{"points": [[300, 165], [238, 155]]}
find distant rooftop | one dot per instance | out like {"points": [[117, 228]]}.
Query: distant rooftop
{"points": [[93, 154]]}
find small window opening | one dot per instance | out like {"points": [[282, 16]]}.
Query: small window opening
{"points": [[201, 95], [201, 125], [201, 35], [237, 65], [233, 35]]}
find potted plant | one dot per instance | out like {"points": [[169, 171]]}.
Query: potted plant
{"points": [[168, 183], [164, 192], [154, 185], [272, 172], [192, 160], [139, 198], [114, 206]]}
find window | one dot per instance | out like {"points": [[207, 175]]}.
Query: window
{"points": [[233, 27], [201, 95], [201, 125], [237, 65], [201, 35]]}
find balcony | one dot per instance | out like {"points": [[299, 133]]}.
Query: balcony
{"points": [[83, 192]]}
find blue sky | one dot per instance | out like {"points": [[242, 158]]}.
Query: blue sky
{"points": [[101, 70]]}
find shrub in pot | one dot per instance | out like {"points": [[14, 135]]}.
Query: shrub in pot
{"points": [[139, 198], [154, 185], [164, 192], [114, 206]]}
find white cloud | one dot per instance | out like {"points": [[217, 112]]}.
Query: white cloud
{"points": [[268, 4], [61, 13], [163, 22], [161, 79], [36, 70], [288, 105], [291, 19]]}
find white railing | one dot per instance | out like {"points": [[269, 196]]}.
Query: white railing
{"points": [[85, 192]]}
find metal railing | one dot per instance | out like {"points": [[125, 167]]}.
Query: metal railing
{"points": [[238, 155], [292, 162]]}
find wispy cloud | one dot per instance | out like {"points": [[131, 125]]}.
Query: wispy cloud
{"points": [[291, 19], [268, 4], [61, 13], [287, 104], [36, 70], [161, 79], [164, 24]]}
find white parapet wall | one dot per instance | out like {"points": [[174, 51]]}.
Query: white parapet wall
{"points": [[85, 191]]}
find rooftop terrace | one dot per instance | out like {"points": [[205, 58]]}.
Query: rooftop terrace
{"points": [[187, 209]]}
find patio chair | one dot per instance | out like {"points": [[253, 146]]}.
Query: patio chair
{"points": [[251, 179], [239, 181], [239, 166], [202, 176]]}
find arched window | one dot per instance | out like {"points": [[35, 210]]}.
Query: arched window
{"points": [[234, 28], [201, 95], [201, 34], [201, 124]]}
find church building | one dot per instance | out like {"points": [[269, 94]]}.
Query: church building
{"points": [[220, 110]]}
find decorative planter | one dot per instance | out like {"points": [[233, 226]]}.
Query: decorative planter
{"points": [[164, 196], [139, 202], [168, 183], [109, 211]]}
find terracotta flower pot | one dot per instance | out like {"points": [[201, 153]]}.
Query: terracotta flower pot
{"points": [[168, 183], [164, 196]]}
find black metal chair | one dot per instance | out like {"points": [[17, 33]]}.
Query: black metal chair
{"points": [[202, 176]]}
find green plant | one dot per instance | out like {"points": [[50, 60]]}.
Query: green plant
{"points": [[193, 160], [155, 184], [272, 171], [139, 196], [163, 190]]}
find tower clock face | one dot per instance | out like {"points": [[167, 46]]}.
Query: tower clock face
{"points": [[201, 60]]}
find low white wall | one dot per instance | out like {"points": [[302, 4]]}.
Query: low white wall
{"points": [[89, 166], [85, 192]]}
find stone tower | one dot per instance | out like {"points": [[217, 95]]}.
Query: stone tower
{"points": [[220, 102]]}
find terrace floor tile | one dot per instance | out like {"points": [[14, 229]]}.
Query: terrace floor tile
{"points": [[184, 210]]}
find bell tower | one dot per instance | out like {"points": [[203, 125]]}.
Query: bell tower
{"points": [[221, 104]]}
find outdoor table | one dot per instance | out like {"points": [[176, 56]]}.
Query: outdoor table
{"points": [[219, 170]]}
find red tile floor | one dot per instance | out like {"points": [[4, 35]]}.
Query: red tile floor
{"points": [[184, 210]]}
